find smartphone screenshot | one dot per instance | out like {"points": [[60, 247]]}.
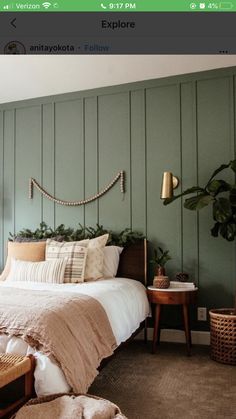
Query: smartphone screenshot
{"points": [[117, 209]]}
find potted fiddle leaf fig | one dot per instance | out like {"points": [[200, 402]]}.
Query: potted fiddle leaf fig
{"points": [[221, 195]]}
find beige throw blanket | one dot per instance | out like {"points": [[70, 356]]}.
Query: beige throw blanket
{"points": [[73, 328], [71, 407]]}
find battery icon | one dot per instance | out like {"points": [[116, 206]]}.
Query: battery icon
{"points": [[226, 5]]}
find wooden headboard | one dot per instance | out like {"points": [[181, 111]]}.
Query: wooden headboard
{"points": [[133, 262]]}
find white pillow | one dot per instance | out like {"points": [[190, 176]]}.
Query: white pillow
{"points": [[95, 258], [111, 261], [48, 271]]}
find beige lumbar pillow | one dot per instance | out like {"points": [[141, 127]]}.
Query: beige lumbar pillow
{"points": [[75, 252], [32, 252]]}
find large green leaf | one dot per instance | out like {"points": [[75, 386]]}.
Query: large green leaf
{"points": [[222, 167], [215, 230], [222, 211], [189, 191], [198, 202], [217, 186], [232, 197], [228, 231], [233, 165]]}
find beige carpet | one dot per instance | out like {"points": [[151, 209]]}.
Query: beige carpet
{"points": [[168, 384]]}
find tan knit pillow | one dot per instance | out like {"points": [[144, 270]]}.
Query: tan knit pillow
{"points": [[75, 252], [32, 252]]}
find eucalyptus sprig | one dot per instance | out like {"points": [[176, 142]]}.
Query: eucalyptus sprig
{"points": [[43, 232]]}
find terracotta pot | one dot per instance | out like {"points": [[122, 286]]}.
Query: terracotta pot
{"points": [[160, 271]]}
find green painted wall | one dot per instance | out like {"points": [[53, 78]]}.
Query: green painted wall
{"points": [[74, 144]]}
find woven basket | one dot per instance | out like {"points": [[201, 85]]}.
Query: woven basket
{"points": [[223, 335], [50, 398], [161, 282]]}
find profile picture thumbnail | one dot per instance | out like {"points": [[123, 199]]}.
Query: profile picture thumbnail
{"points": [[14, 48]]}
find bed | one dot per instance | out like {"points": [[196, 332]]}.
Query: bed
{"points": [[123, 298]]}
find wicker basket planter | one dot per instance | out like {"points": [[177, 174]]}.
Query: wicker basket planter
{"points": [[223, 335], [161, 282]]}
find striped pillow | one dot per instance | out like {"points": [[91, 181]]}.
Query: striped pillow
{"points": [[75, 252], [49, 271]]}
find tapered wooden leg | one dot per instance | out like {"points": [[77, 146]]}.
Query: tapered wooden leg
{"points": [[29, 379], [145, 331], [187, 328], [156, 332]]}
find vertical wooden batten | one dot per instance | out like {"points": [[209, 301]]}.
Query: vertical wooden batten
{"points": [[114, 150], [189, 178], [27, 164], [8, 191], [181, 171], [214, 148], [91, 159], [48, 161], [138, 160], [69, 159], [41, 156]]}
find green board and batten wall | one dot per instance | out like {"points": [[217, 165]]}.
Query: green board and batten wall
{"points": [[74, 144]]}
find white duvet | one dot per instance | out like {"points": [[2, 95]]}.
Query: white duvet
{"points": [[124, 301]]}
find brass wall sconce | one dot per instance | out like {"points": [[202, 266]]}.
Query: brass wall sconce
{"points": [[169, 183]]}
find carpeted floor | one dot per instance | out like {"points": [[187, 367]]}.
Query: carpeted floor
{"points": [[168, 384]]}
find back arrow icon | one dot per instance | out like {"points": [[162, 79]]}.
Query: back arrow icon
{"points": [[13, 22]]}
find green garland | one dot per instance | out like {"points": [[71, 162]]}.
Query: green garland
{"points": [[62, 233]]}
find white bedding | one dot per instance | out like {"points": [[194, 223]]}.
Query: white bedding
{"points": [[124, 301]]}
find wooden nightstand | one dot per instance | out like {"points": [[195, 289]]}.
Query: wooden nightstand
{"points": [[170, 296]]}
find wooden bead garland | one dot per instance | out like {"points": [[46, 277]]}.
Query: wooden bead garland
{"points": [[120, 175]]}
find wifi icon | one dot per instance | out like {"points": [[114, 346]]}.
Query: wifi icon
{"points": [[46, 5]]}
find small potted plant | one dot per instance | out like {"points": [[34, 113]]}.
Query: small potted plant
{"points": [[160, 259]]}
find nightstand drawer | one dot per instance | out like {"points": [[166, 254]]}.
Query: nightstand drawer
{"points": [[172, 297]]}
